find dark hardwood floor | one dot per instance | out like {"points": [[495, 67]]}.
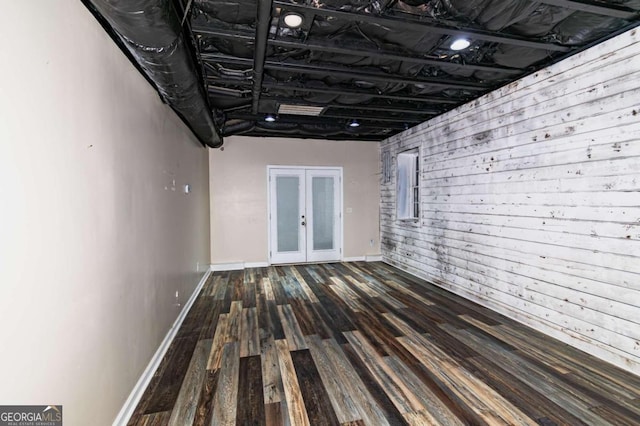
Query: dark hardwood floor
{"points": [[363, 343]]}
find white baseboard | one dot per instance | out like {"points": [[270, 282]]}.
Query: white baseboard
{"points": [[237, 266], [256, 264], [367, 258], [134, 397], [226, 266]]}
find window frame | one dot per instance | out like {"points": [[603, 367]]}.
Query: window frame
{"points": [[408, 185]]}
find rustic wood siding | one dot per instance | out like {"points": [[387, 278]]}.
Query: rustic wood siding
{"points": [[530, 201]]}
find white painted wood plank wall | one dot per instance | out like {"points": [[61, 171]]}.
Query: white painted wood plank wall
{"points": [[530, 201]]}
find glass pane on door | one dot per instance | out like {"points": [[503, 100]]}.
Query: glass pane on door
{"points": [[323, 212], [288, 213]]}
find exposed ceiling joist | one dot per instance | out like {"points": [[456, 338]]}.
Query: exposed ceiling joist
{"points": [[598, 8], [353, 70], [263, 132], [323, 120], [344, 72], [360, 115], [365, 107], [222, 33], [374, 76], [375, 117], [382, 54], [225, 59], [427, 26], [229, 81], [311, 89], [227, 91], [389, 109], [355, 50]]}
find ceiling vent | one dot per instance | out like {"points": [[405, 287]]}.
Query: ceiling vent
{"points": [[292, 109]]}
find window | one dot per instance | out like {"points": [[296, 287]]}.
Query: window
{"points": [[386, 167], [408, 196]]}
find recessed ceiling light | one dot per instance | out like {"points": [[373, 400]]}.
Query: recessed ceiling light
{"points": [[270, 118], [292, 20], [354, 123], [460, 44]]}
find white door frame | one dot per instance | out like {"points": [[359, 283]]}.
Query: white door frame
{"points": [[340, 198], [334, 253], [299, 255]]}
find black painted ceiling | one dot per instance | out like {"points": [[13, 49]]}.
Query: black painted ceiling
{"points": [[387, 64]]}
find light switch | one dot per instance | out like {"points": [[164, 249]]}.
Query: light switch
{"points": [[349, 210]]}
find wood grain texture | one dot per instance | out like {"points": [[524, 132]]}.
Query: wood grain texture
{"points": [[155, 419], [387, 348], [295, 404], [166, 391], [529, 201], [292, 331], [185, 408], [249, 335], [219, 339], [343, 402], [271, 378], [273, 414], [225, 399], [251, 410], [314, 394], [204, 411]]}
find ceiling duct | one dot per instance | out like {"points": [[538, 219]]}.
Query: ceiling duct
{"points": [[238, 127], [152, 32]]}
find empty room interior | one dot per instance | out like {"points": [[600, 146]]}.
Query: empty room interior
{"points": [[279, 212]]}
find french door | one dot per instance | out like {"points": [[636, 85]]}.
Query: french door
{"points": [[305, 220]]}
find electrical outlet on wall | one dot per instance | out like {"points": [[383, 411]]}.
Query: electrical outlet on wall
{"points": [[372, 242], [177, 304]]}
